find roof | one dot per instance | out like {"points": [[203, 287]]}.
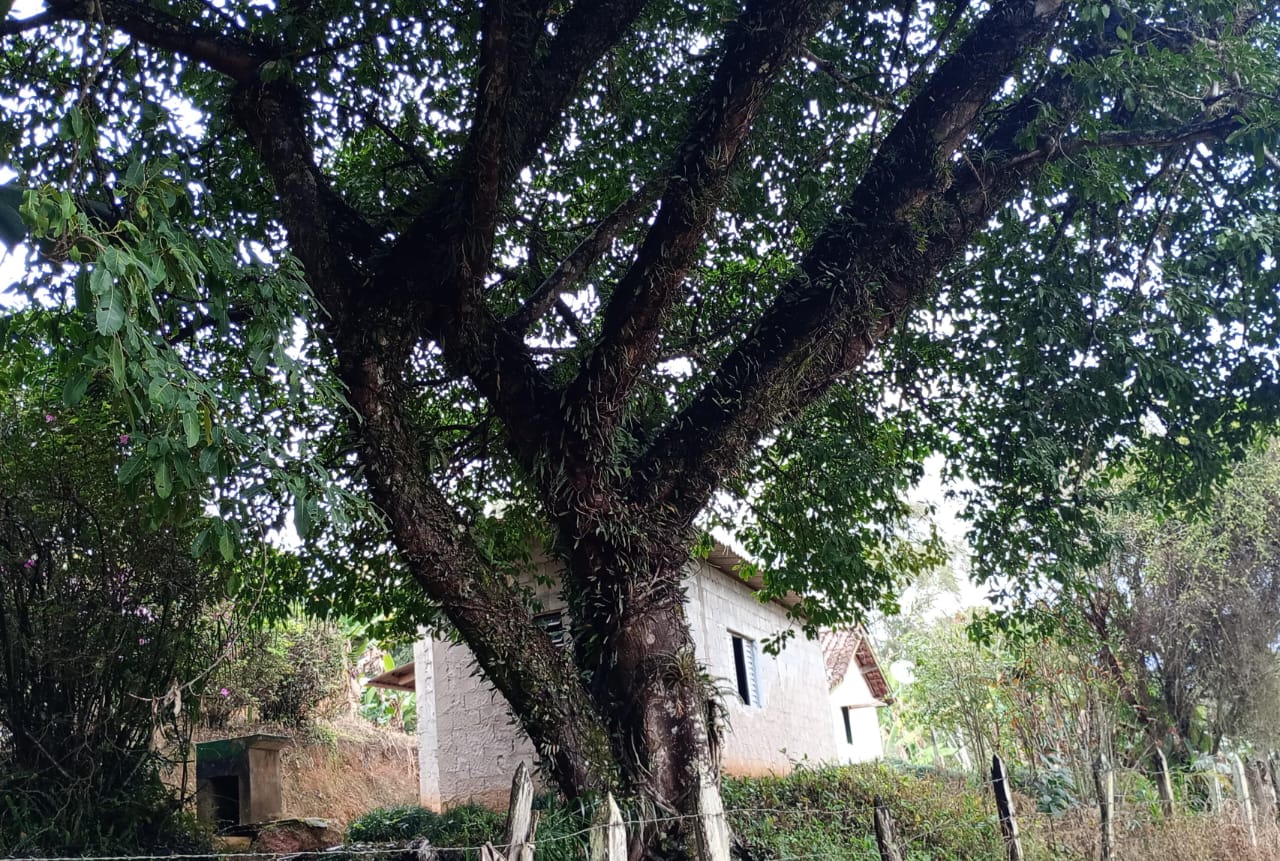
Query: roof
{"points": [[728, 561], [399, 679], [846, 647]]}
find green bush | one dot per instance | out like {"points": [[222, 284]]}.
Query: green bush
{"points": [[828, 812], [100, 621], [284, 673], [465, 826], [392, 824]]}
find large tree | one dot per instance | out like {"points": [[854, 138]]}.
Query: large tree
{"points": [[593, 260], [1187, 614]]}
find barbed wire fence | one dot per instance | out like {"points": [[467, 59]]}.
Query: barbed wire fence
{"points": [[1233, 808]]}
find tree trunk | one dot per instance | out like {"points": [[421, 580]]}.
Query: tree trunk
{"points": [[649, 684], [515, 655]]}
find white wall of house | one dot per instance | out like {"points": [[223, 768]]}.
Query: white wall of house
{"points": [[789, 724], [861, 740], [477, 745]]}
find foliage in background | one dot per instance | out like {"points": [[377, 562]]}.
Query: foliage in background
{"points": [[392, 824], [466, 825], [392, 709], [285, 672], [1043, 703], [1188, 608], [101, 638]]}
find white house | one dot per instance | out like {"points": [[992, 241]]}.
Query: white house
{"points": [[780, 709], [858, 689]]}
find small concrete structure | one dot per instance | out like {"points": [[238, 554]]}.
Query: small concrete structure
{"points": [[238, 780]]}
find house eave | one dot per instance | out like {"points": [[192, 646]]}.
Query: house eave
{"points": [[399, 679], [732, 564]]}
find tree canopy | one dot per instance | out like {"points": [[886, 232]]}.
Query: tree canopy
{"points": [[602, 274]]}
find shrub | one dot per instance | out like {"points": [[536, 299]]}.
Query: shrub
{"points": [[828, 812], [392, 824], [285, 673], [465, 826], [99, 625]]}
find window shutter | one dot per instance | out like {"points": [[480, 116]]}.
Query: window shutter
{"points": [[753, 672], [746, 667]]}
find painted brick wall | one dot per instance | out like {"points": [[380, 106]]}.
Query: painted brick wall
{"points": [[793, 721], [479, 744], [863, 719]]}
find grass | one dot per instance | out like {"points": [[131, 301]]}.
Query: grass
{"points": [[827, 813]]}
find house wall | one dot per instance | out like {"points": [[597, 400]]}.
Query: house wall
{"points": [[863, 720], [791, 723], [478, 745]]}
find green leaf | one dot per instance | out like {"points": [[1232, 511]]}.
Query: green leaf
{"points": [[191, 427], [110, 312], [132, 468], [75, 387], [116, 353], [208, 459], [200, 543], [301, 516], [162, 480], [226, 547]]}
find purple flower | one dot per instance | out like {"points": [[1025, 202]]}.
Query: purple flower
{"points": [[48, 417], [124, 439], [142, 641], [224, 692], [30, 563]]}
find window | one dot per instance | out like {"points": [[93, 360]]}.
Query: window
{"points": [[748, 675], [553, 625], [848, 726]]}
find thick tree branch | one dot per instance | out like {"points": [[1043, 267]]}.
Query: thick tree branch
{"points": [[236, 59], [574, 268], [532, 103], [757, 48], [517, 657], [481, 164], [330, 238], [585, 34], [863, 272]]}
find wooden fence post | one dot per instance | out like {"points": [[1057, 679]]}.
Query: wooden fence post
{"points": [[1261, 791], [886, 834], [1275, 779], [1004, 805], [1241, 785], [608, 840], [712, 825], [1215, 787], [1164, 785], [520, 824], [1105, 781]]}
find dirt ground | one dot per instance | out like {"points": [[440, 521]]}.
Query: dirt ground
{"points": [[335, 770]]}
